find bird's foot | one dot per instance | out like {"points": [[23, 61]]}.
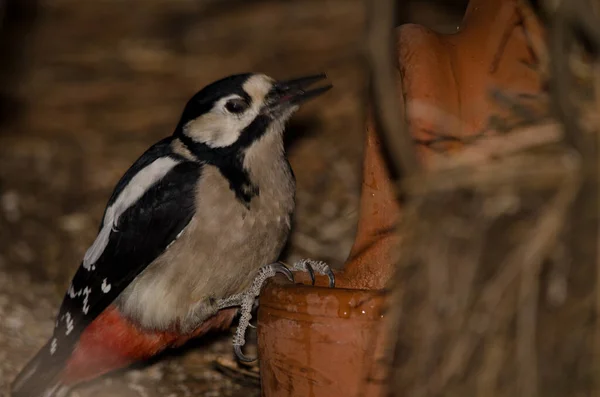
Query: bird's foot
{"points": [[247, 299], [312, 266]]}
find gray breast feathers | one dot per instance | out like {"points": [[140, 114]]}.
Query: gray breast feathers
{"points": [[218, 252]]}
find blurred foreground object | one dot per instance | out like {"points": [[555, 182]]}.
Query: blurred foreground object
{"points": [[480, 226], [496, 292]]}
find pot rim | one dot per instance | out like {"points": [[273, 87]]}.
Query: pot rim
{"points": [[320, 301]]}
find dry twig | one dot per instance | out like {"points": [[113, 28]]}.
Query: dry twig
{"points": [[389, 110], [479, 231]]}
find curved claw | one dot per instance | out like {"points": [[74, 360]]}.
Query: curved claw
{"points": [[283, 269], [311, 273], [331, 278], [240, 356]]}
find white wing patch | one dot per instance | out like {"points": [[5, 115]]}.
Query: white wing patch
{"points": [[135, 189], [86, 295], [176, 238], [94, 252], [69, 323], [219, 128], [105, 286], [72, 293], [76, 294], [53, 346]]}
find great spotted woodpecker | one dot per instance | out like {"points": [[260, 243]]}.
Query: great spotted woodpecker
{"points": [[190, 233]]}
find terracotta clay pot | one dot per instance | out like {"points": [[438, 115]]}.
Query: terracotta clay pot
{"points": [[321, 342], [318, 341]]}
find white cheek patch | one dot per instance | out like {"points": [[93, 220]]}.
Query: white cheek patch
{"points": [[220, 128]]}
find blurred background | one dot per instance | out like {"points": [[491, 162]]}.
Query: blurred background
{"points": [[86, 87]]}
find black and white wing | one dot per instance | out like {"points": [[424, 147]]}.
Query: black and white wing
{"points": [[150, 207]]}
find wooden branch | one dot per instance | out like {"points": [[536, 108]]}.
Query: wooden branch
{"points": [[388, 109], [489, 148]]}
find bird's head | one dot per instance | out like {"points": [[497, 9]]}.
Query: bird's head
{"points": [[233, 113]]}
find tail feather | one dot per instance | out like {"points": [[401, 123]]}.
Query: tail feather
{"points": [[40, 377]]}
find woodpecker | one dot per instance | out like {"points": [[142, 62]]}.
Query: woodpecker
{"points": [[190, 233]]}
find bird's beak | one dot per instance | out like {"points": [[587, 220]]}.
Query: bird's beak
{"points": [[286, 94]]}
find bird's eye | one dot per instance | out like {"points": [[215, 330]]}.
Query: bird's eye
{"points": [[236, 105]]}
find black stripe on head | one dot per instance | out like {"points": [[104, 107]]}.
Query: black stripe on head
{"points": [[252, 133], [230, 159], [203, 101]]}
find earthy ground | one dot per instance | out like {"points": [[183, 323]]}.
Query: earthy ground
{"points": [[100, 81]]}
